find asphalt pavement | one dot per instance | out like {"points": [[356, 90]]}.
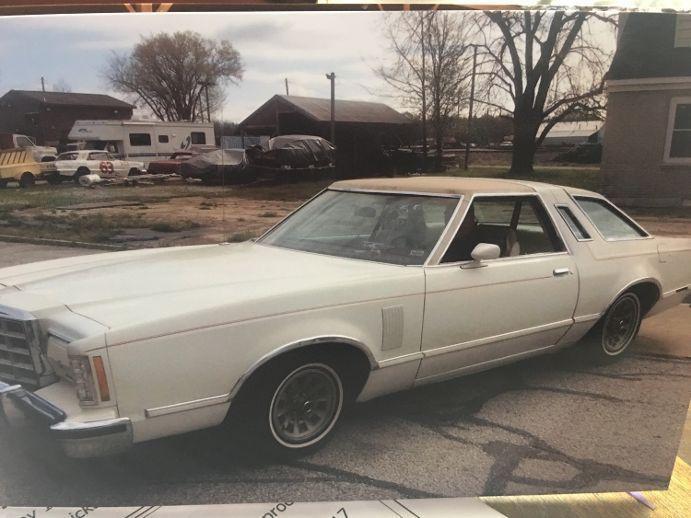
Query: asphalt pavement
{"points": [[550, 424]]}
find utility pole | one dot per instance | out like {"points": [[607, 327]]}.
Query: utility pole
{"points": [[332, 78], [208, 109], [424, 93], [287, 91], [470, 109], [43, 84]]}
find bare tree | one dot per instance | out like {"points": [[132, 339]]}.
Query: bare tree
{"points": [[542, 66], [173, 73], [428, 68], [447, 42]]}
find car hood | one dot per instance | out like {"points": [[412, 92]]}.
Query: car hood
{"points": [[173, 289]]}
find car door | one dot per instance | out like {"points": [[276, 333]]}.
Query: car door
{"points": [[120, 167], [480, 314]]}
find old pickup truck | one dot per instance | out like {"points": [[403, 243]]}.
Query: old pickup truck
{"points": [[18, 165], [371, 287]]}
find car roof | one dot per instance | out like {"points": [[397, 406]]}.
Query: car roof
{"points": [[449, 185]]}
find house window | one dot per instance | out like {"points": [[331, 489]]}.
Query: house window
{"points": [[140, 139], [163, 139], [198, 137], [678, 145]]}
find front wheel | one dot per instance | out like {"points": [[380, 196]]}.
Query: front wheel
{"points": [[617, 329], [291, 407], [306, 406]]}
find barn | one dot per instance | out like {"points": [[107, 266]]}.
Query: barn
{"points": [[49, 116], [362, 128]]}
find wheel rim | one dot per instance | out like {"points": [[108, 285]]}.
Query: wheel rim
{"points": [[620, 325], [306, 406]]}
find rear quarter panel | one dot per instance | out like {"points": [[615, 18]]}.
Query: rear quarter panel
{"points": [[608, 268]]}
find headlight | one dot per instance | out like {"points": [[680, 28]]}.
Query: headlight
{"points": [[83, 379]]}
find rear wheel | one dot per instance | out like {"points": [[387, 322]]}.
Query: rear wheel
{"points": [[3, 184], [617, 329], [134, 172], [27, 180]]}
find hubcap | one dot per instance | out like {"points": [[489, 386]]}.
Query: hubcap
{"points": [[306, 405], [620, 325]]}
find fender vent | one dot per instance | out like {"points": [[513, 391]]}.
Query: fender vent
{"points": [[392, 327]]}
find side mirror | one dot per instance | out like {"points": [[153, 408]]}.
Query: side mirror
{"points": [[483, 252]]}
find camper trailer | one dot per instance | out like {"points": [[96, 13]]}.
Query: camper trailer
{"points": [[143, 141]]}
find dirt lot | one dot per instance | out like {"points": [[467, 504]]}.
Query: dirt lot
{"points": [[150, 215], [178, 213]]}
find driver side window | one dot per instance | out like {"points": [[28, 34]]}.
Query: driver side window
{"points": [[518, 225]]}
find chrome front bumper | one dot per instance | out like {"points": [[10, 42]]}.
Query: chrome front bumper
{"points": [[20, 407]]}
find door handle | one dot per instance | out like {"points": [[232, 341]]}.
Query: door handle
{"points": [[557, 272]]}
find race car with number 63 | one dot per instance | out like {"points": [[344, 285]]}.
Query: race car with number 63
{"points": [[75, 164], [371, 287]]}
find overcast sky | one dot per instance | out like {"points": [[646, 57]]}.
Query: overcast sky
{"points": [[299, 46]]}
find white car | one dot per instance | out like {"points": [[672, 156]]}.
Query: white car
{"points": [[371, 287], [75, 164]]}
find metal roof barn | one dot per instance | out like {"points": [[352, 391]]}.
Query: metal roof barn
{"points": [[571, 133], [49, 116], [362, 128]]}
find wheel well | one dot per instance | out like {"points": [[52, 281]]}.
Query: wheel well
{"points": [[648, 293], [352, 363]]}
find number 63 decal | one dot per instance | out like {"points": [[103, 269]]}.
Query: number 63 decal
{"points": [[106, 167]]}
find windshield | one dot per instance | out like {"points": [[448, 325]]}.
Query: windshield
{"points": [[391, 228]]}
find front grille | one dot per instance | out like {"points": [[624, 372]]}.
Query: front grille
{"points": [[21, 358]]}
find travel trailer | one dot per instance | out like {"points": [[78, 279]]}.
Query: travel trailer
{"points": [[143, 141]]}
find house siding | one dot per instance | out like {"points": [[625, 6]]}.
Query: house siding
{"points": [[683, 31], [633, 167]]}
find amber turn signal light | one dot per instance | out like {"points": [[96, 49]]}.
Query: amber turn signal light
{"points": [[101, 378]]}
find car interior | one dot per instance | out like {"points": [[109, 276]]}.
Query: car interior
{"points": [[518, 225]]}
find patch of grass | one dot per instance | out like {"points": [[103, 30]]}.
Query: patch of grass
{"points": [[178, 226], [239, 237], [660, 212], [163, 227], [71, 226], [207, 205], [582, 177]]}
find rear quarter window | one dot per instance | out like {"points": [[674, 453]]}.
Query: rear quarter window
{"points": [[609, 221]]}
